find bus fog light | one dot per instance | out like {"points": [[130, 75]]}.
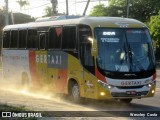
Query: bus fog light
{"points": [[153, 91], [102, 93]]}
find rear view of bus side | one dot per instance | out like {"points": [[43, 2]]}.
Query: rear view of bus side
{"points": [[87, 57]]}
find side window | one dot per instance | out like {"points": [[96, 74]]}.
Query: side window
{"points": [[51, 43], [42, 40], [69, 37], [84, 33], [86, 55], [55, 35], [22, 38], [14, 39], [6, 39], [87, 59], [32, 40]]}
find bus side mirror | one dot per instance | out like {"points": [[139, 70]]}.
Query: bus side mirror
{"points": [[94, 46]]}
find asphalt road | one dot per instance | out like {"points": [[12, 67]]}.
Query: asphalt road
{"points": [[44, 102]]}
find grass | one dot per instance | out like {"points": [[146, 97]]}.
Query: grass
{"points": [[5, 107]]}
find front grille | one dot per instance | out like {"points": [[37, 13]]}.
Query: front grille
{"points": [[138, 94], [129, 87]]}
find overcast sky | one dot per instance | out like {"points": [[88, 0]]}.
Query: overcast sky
{"points": [[36, 7]]}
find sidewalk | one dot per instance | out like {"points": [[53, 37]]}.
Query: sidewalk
{"points": [[158, 75]]}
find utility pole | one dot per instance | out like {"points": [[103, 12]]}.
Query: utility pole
{"points": [[54, 7], [127, 4], [99, 2], [12, 17], [86, 8], [67, 12], [6, 15]]}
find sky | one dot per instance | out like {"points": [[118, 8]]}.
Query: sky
{"points": [[36, 7]]}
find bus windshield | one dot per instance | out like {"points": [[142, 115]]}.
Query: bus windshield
{"points": [[124, 50]]}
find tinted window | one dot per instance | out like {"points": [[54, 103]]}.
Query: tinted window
{"points": [[84, 33], [6, 39], [55, 35], [69, 37], [14, 39], [51, 43], [42, 40], [87, 59], [22, 38], [32, 39]]}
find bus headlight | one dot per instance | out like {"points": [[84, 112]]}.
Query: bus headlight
{"points": [[149, 85], [109, 86], [152, 83], [104, 85]]}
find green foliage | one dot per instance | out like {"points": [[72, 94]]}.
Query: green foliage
{"points": [[120, 3], [48, 11], [143, 9], [138, 9], [99, 10], [22, 3], [22, 18], [154, 27]]}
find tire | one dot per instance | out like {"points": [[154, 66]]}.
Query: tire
{"points": [[75, 93], [128, 100]]}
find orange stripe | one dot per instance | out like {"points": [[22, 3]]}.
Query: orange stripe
{"points": [[32, 66]]}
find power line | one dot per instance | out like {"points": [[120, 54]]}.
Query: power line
{"points": [[27, 0], [30, 1]]}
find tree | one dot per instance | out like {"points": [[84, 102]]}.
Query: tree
{"points": [[154, 27], [48, 11], [144, 9], [99, 10], [22, 3], [138, 9], [20, 18], [102, 10]]}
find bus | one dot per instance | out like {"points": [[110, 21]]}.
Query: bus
{"points": [[88, 57]]}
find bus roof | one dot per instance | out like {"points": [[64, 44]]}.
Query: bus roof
{"points": [[93, 22]]}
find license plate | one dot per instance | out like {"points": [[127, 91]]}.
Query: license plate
{"points": [[131, 92]]}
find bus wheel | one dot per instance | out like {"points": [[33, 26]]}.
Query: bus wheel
{"points": [[75, 93], [126, 100]]}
